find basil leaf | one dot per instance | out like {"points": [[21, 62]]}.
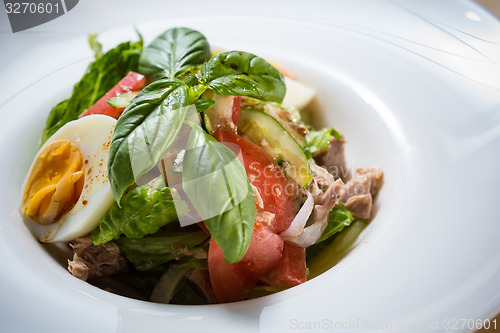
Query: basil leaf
{"points": [[173, 52], [100, 76], [191, 79], [204, 104], [145, 130], [143, 211], [216, 183], [339, 218], [151, 251], [317, 141], [243, 74]]}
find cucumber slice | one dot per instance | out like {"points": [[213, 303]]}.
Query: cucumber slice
{"points": [[277, 111], [290, 126], [122, 100], [268, 133]]}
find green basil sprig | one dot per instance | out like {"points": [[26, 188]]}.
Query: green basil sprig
{"points": [[212, 169], [174, 52], [240, 73], [152, 120]]}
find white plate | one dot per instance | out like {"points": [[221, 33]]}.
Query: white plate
{"points": [[415, 88]]}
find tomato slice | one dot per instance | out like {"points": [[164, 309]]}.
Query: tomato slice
{"points": [[232, 282], [267, 177], [131, 82], [203, 227], [236, 109], [292, 269]]}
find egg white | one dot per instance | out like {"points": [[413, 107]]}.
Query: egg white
{"points": [[92, 136], [297, 94]]}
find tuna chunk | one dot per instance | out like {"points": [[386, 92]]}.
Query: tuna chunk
{"points": [[91, 261], [358, 192], [332, 159], [365, 180], [360, 206], [324, 189]]}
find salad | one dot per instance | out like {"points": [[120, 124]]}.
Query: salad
{"points": [[176, 175]]}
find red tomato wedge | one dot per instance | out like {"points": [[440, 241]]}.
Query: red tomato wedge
{"points": [[131, 82], [203, 227], [267, 177], [291, 270], [232, 282], [236, 109]]}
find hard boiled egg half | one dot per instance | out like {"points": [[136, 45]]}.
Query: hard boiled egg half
{"points": [[66, 191]]}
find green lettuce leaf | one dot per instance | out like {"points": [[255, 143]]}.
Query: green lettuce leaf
{"points": [[323, 256], [153, 250], [95, 46], [100, 76], [318, 141], [191, 262], [339, 218], [144, 210]]}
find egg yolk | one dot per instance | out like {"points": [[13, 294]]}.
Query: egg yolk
{"points": [[55, 182]]}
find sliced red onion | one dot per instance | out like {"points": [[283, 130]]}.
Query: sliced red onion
{"points": [[299, 222], [310, 235]]}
